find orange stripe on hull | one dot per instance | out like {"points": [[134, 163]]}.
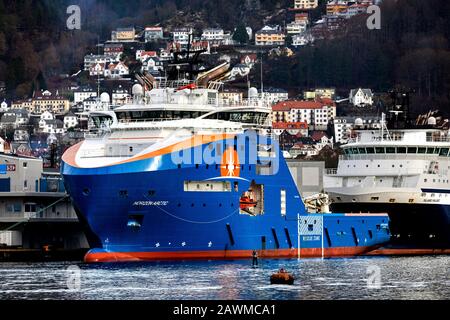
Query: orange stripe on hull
{"points": [[70, 155], [223, 255]]}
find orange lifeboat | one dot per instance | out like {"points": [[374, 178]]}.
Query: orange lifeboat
{"points": [[245, 203]]}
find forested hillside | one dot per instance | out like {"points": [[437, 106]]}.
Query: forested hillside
{"points": [[412, 49]]}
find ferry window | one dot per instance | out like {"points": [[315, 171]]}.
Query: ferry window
{"points": [[362, 150], [86, 191], [25, 164], [131, 149], [390, 150], [437, 150], [422, 150], [355, 151], [444, 152], [401, 150], [380, 150], [370, 150], [412, 150], [430, 150]]}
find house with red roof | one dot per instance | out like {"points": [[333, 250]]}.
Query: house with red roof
{"points": [[316, 113]]}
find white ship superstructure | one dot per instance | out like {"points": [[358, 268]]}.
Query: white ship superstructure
{"points": [[404, 171]]}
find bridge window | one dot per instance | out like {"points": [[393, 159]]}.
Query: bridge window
{"points": [[422, 150], [444, 152], [390, 150]]}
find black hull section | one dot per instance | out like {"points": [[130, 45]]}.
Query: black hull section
{"points": [[412, 225]]}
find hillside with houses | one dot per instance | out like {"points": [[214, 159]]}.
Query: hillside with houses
{"points": [[315, 62]]}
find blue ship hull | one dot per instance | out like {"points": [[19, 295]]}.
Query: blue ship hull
{"points": [[141, 210]]}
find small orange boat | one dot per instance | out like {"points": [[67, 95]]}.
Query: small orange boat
{"points": [[246, 202], [282, 277]]}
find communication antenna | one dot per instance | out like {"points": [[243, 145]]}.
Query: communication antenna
{"points": [[262, 81]]}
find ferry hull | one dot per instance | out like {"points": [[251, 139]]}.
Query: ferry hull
{"points": [[413, 225]]}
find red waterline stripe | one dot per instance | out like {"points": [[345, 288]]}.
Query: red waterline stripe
{"points": [[221, 254]]}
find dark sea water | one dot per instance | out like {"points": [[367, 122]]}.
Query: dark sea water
{"points": [[330, 279]]}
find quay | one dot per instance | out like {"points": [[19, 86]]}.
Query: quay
{"points": [[37, 220]]}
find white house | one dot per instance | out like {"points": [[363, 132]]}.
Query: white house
{"points": [[90, 104], [361, 97], [142, 55], [3, 106], [21, 134], [97, 70], [215, 36], [54, 126], [275, 95], [302, 39], [342, 126], [210, 34], [82, 94], [316, 113], [45, 116], [152, 65], [70, 121], [120, 96], [116, 70], [295, 28], [153, 33], [181, 35], [91, 60]]}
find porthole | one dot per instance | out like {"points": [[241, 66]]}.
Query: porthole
{"points": [[86, 191]]}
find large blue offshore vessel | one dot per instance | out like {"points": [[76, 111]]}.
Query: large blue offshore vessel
{"points": [[180, 174]]}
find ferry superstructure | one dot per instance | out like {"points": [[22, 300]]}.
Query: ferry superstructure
{"points": [[404, 172], [179, 174]]}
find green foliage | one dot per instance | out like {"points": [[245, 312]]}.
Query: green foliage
{"points": [[241, 35]]}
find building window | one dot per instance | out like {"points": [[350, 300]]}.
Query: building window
{"points": [[30, 207]]}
